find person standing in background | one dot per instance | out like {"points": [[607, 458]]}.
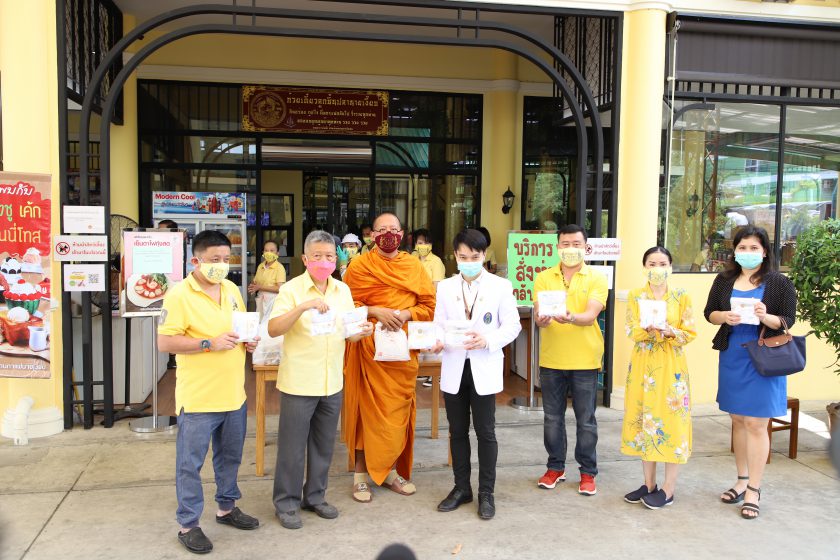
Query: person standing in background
{"points": [[367, 238], [490, 256], [352, 245], [269, 277], [423, 251]]}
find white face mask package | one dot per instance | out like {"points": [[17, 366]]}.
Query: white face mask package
{"points": [[422, 335], [552, 303], [246, 325], [745, 307], [391, 346], [322, 323], [455, 333], [353, 321], [653, 313]]}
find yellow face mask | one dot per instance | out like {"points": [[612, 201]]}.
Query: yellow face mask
{"points": [[269, 257], [423, 249], [351, 251]]}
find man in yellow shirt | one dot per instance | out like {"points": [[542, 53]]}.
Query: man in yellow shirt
{"points": [[269, 277], [196, 325], [423, 251], [571, 348], [310, 379]]}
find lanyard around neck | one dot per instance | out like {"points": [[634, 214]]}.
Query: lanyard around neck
{"points": [[468, 311]]}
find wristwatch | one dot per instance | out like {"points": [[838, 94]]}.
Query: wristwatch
{"points": [[398, 313], [205, 345]]}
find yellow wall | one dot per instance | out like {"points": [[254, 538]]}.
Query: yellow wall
{"points": [[30, 144]]}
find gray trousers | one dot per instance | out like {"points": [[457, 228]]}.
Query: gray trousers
{"points": [[305, 439]]}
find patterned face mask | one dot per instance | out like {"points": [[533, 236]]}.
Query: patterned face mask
{"points": [[214, 272], [658, 275], [571, 256]]}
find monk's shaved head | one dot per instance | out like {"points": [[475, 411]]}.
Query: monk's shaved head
{"points": [[388, 220]]}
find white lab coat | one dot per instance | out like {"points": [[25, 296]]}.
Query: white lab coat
{"points": [[495, 316]]}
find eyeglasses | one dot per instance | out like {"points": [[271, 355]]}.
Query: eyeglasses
{"points": [[382, 231]]}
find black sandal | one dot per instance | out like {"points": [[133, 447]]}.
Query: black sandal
{"points": [[734, 497], [750, 507]]}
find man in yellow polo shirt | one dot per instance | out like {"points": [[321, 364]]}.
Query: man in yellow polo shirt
{"points": [[423, 251], [269, 277], [308, 312], [196, 326], [571, 348]]}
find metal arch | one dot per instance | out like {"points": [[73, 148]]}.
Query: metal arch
{"points": [[558, 56]]}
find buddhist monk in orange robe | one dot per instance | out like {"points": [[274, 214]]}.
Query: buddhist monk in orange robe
{"points": [[379, 397]]}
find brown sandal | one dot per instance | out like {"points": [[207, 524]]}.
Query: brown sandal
{"points": [[401, 486], [362, 493]]}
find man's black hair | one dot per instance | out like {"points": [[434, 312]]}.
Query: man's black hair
{"points": [[472, 238], [171, 224], [486, 233], [424, 233], [209, 238], [571, 229]]}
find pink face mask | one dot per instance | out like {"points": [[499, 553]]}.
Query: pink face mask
{"points": [[320, 270]]}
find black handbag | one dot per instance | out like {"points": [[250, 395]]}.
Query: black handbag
{"points": [[777, 355]]}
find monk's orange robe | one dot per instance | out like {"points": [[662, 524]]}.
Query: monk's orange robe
{"points": [[380, 399]]}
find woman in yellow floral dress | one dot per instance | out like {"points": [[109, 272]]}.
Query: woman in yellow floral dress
{"points": [[657, 405]]}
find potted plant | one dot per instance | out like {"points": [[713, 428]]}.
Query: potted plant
{"points": [[815, 271]]}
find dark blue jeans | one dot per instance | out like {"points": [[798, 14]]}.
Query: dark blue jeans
{"points": [[583, 384], [195, 431]]}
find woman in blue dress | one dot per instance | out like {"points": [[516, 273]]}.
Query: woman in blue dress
{"points": [[750, 398]]}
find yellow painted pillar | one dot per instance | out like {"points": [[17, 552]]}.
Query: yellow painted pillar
{"points": [[30, 144], [642, 87], [499, 166]]}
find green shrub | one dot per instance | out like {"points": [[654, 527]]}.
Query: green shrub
{"points": [[815, 271]]}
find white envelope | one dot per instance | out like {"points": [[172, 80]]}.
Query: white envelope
{"points": [[391, 346], [353, 321], [455, 333], [745, 307], [246, 325], [422, 335], [552, 303], [653, 313], [322, 323]]}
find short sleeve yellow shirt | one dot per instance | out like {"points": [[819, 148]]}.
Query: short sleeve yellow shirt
{"points": [[205, 381], [433, 265], [270, 275], [572, 347], [312, 365]]}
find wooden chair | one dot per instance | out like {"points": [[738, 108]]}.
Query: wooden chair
{"points": [[782, 425]]}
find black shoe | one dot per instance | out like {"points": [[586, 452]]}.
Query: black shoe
{"points": [[238, 519], [195, 541], [636, 496], [486, 505], [455, 499], [657, 500], [324, 510]]}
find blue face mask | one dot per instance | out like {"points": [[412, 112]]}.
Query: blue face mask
{"points": [[749, 261], [470, 269]]}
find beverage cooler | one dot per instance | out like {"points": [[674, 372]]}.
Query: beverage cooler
{"points": [[197, 212]]}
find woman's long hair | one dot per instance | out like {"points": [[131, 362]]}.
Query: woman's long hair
{"points": [[733, 269]]}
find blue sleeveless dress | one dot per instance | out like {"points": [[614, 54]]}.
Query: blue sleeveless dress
{"points": [[741, 389]]}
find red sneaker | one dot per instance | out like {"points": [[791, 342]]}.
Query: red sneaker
{"points": [[587, 485], [551, 478]]}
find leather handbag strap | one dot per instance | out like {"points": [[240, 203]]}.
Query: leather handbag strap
{"points": [[775, 341]]}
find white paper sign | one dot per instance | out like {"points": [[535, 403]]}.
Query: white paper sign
{"points": [[455, 333], [84, 277], [745, 307], [603, 249], [322, 323], [552, 303], [607, 271], [246, 325], [422, 335], [84, 219], [653, 313], [90, 248], [353, 321]]}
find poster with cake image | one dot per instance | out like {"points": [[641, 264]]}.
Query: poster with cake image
{"points": [[25, 275], [152, 262]]}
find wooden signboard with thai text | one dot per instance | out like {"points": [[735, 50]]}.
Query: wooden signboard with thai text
{"points": [[315, 111]]}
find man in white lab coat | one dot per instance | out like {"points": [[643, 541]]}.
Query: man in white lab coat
{"points": [[472, 364]]}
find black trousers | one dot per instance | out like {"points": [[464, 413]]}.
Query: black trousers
{"points": [[484, 421]]}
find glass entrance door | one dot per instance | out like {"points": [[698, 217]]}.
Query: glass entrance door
{"points": [[338, 203]]}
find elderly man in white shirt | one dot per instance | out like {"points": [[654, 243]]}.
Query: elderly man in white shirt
{"points": [[472, 373]]}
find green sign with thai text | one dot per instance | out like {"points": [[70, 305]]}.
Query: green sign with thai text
{"points": [[528, 254]]}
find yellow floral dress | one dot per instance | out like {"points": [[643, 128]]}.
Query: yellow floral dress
{"points": [[657, 404]]}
